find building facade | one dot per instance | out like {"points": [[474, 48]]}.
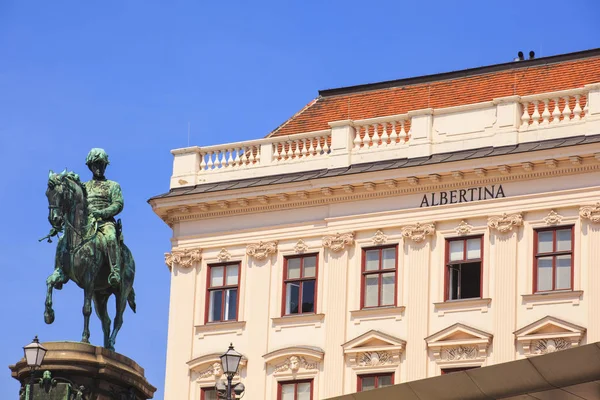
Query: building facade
{"points": [[391, 232]]}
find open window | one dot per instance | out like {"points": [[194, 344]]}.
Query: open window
{"points": [[464, 260]]}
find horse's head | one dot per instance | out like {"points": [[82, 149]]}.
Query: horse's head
{"points": [[64, 190]]}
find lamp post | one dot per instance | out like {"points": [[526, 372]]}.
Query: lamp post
{"points": [[230, 362], [34, 356]]}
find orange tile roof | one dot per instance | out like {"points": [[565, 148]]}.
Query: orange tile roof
{"points": [[522, 78]]}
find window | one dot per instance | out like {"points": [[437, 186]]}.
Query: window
{"points": [[298, 390], [379, 277], [208, 394], [553, 259], [451, 370], [300, 284], [369, 382], [222, 296], [464, 260]]}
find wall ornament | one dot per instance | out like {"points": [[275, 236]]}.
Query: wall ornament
{"points": [[379, 237], [338, 241], [505, 222], [553, 218], [545, 346], [459, 353], [590, 212], [463, 228], [418, 232], [261, 250], [224, 255], [375, 358], [294, 363], [301, 246], [183, 257]]}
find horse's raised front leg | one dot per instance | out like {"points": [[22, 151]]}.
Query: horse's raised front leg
{"points": [[87, 311], [56, 280], [100, 303]]}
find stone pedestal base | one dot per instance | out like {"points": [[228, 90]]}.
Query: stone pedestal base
{"points": [[83, 371]]}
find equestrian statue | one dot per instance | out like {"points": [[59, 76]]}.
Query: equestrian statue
{"points": [[91, 251]]}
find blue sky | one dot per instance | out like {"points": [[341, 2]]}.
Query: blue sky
{"points": [[129, 75]]}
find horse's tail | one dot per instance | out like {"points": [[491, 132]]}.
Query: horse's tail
{"points": [[131, 299]]}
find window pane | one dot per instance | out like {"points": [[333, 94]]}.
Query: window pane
{"points": [[368, 383], [304, 391], [388, 288], [385, 380], [209, 394], [216, 276], [473, 248], [232, 275], [310, 267], [453, 274], [545, 242], [293, 268], [456, 250], [287, 391], [372, 260], [563, 240], [563, 272], [230, 304], [389, 258], [292, 297], [371, 290], [308, 296], [214, 306], [544, 281]]}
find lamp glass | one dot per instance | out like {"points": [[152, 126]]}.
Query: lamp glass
{"points": [[34, 353], [231, 361]]}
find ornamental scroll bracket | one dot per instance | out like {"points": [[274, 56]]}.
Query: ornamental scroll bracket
{"points": [[506, 222], [261, 250], [418, 232], [338, 241], [590, 212], [183, 257]]}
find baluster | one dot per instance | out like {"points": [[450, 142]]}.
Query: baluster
{"points": [[321, 145], [288, 150], [312, 148], [394, 135], [327, 145], [219, 158], [566, 112], [546, 113], [235, 157], [357, 138], [403, 134], [228, 160], [577, 109], [209, 161], [525, 117], [203, 162], [296, 149], [375, 137], [586, 108], [536, 113], [556, 111], [275, 156], [384, 136], [256, 154]]}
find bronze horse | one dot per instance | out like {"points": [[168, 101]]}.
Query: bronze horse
{"points": [[81, 257]]}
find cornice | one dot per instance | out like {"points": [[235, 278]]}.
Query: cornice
{"points": [[315, 197]]}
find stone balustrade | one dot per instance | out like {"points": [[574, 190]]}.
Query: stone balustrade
{"points": [[503, 121]]}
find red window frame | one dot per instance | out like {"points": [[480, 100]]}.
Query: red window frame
{"points": [[359, 382], [463, 261], [223, 288], [301, 280], [554, 254], [295, 383], [380, 271], [204, 390]]}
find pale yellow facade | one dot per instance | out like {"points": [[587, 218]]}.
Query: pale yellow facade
{"points": [[336, 218]]}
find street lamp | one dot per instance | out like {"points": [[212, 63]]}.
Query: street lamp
{"points": [[230, 362], [34, 356]]}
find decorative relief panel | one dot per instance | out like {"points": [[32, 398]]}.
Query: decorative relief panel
{"points": [[215, 370], [294, 363], [375, 358], [553, 218], [339, 241], [300, 247], [261, 250], [459, 353], [590, 212], [549, 335], [379, 237], [224, 255], [545, 346], [463, 228], [183, 257], [505, 222], [459, 345], [360, 355], [418, 232]]}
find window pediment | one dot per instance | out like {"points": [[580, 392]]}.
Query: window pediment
{"points": [[373, 349], [208, 367], [459, 345], [549, 335], [291, 360]]}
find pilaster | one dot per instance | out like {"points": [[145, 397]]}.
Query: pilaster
{"points": [[590, 223]]}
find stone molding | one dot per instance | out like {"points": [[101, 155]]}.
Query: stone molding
{"points": [[463, 228], [224, 255], [549, 335], [379, 237], [300, 247], [183, 257], [418, 232], [362, 353], [506, 222], [261, 250], [590, 212], [459, 345], [553, 218], [338, 241]]}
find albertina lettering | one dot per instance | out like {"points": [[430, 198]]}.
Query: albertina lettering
{"points": [[462, 196]]}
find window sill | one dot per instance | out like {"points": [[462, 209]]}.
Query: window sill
{"points": [[220, 328], [292, 321], [370, 314], [556, 297], [451, 306]]}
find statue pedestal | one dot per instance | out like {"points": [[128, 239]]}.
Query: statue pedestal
{"points": [[104, 374]]}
